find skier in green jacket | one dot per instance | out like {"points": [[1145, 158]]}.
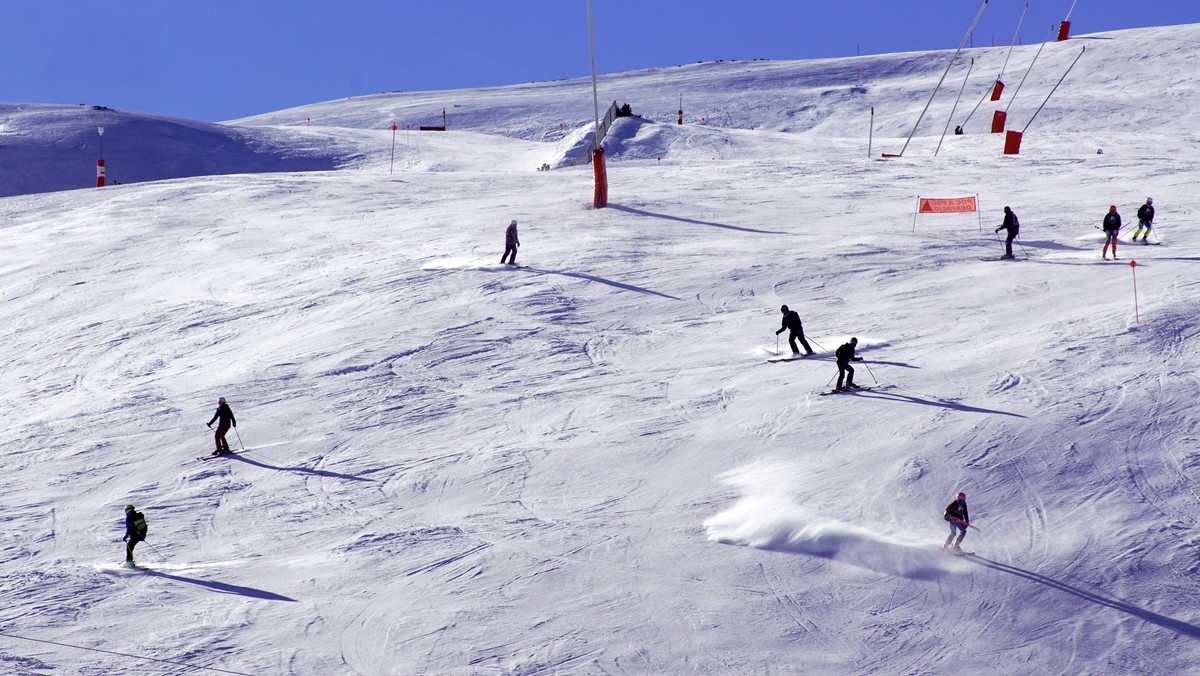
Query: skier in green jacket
{"points": [[135, 531]]}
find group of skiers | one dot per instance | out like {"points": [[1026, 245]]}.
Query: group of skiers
{"points": [[1112, 226], [844, 354], [135, 521], [956, 512]]}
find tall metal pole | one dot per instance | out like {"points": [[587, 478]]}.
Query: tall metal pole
{"points": [[595, 96], [955, 108], [943, 78], [1070, 10]]}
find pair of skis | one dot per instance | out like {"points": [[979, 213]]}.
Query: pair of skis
{"points": [[848, 390], [211, 456]]}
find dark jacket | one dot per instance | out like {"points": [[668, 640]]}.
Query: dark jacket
{"points": [[1146, 213], [845, 354], [957, 510], [1112, 221], [225, 414], [791, 322], [1011, 224], [510, 236], [135, 526]]}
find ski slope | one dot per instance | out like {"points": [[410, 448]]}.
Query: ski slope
{"points": [[587, 465]]}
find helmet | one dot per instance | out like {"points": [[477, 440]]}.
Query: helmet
{"points": [[514, 222], [1149, 200], [783, 309], [128, 508], [220, 400], [1112, 207], [962, 496], [1006, 210]]}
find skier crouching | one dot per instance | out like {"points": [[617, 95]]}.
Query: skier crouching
{"points": [[956, 515], [845, 355]]}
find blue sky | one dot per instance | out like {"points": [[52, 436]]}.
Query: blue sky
{"points": [[219, 59]]}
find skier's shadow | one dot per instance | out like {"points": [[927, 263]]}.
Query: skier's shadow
{"points": [[639, 212], [222, 587], [1174, 625], [1051, 245], [881, 394], [593, 278], [298, 470]]}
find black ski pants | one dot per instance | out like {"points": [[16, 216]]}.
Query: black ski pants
{"points": [[845, 370], [131, 543], [793, 336]]}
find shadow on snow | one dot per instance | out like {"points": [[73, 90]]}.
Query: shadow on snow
{"points": [[1174, 625], [298, 470], [222, 587], [639, 212]]}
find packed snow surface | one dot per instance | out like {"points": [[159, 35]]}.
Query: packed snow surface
{"points": [[587, 464]]}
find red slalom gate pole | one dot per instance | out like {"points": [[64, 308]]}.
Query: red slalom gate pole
{"points": [[1136, 312], [393, 163]]}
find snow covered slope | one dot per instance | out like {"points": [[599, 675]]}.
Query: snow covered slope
{"points": [[588, 465], [45, 148]]}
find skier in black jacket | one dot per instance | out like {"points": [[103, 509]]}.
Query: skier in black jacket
{"points": [[224, 414], [1145, 216], [956, 515], [1013, 226], [511, 242], [845, 355], [791, 322], [1112, 227]]}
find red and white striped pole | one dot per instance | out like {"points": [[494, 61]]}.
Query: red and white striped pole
{"points": [[393, 163], [1136, 312], [100, 180]]}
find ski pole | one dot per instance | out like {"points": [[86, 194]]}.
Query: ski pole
{"points": [[1018, 241], [776, 344], [817, 344], [869, 371], [964, 523], [160, 554], [239, 439]]}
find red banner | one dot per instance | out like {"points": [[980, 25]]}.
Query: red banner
{"points": [[953, 205]]}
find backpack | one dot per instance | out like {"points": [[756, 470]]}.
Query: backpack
{"points": [[139, 524]]}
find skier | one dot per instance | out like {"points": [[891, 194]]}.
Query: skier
{"points": [[845, 355], [956, 515], [791, 323], [1013, 226], [510, 244], [1112, 226], [135, 531], [1145, 216], [225, 415]]}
